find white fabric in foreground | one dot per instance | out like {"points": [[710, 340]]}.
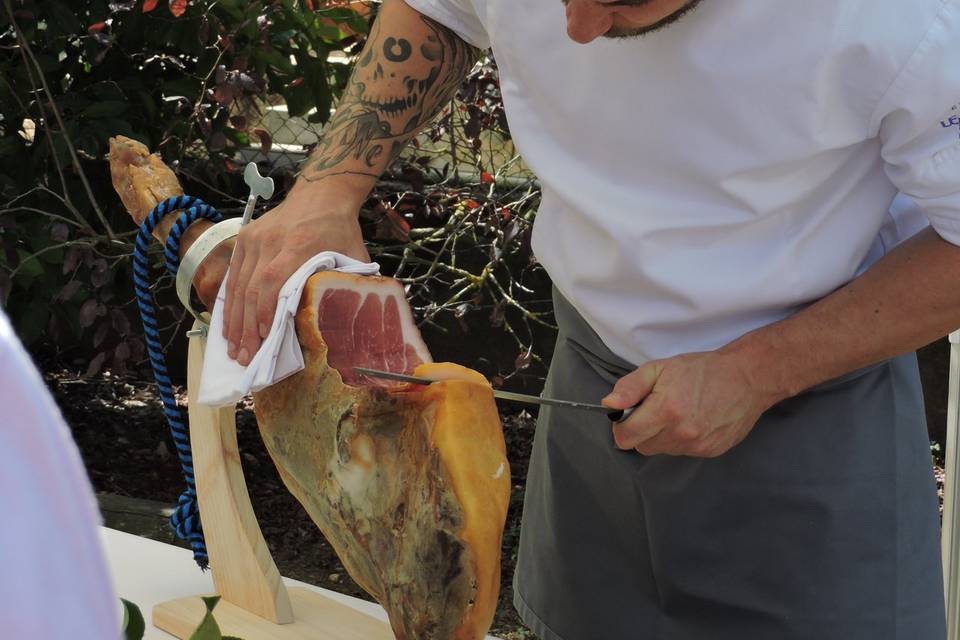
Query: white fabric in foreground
{"points": [[224, 381], [56, 583]]}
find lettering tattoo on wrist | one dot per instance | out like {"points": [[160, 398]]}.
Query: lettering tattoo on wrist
{"points": [[383, 106]]}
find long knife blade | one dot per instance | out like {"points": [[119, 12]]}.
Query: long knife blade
{"points": [[615, 415]]}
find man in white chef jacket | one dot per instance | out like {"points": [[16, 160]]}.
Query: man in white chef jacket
{"points": [[717, 187]]}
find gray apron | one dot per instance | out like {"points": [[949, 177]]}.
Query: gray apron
{"points": [[821, 525]]}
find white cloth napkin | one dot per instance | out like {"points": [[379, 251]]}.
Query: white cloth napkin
{"points": [[224, 381]]}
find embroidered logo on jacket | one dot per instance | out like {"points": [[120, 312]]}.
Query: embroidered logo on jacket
{"points": [[952, 121]]}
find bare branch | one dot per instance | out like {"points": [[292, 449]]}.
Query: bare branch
{"points": [[26, 52]]}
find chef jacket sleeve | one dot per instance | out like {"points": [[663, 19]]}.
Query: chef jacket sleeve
{"points": [[460, 16], [918, 121]]}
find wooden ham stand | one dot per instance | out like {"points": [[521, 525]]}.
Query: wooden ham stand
{"points": [[254, 604]]}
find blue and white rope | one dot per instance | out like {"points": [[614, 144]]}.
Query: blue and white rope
{"points": [[186, 517]]}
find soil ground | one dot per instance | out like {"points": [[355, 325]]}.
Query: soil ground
{"points": [[127, 449]]}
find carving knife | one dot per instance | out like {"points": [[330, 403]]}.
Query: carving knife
{"points": [[616, 415]]}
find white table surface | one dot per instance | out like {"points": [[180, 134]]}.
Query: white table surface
{"points": [[147, 572]]}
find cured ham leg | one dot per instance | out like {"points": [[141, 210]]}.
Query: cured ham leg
{"points": [[410, 484]]}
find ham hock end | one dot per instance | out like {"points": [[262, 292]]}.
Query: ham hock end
{"points": [[410, 484]]}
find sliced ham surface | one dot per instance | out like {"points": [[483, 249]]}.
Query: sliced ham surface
{"points": [[366, 322]]}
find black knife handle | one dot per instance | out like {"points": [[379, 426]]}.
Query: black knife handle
{"points": [[618, 415]]}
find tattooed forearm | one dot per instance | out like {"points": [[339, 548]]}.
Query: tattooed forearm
{"points": [[409, 69]]}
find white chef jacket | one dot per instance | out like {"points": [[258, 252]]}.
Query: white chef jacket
{"points": [[55, 581], [718, 175]]}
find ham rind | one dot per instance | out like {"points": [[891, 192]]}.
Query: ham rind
{"points": [[366, 322]]}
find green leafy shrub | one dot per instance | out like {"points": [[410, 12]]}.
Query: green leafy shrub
{"points": [[175, 75], [181, 77]]}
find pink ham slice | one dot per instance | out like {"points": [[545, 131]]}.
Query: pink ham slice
{"points": [[368, 324]]}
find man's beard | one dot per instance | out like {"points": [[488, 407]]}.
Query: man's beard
{"points": [[656, 26]]}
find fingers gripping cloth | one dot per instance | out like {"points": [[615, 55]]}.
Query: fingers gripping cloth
{"points": [[186, 517]]}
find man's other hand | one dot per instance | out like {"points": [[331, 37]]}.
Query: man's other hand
{"points": [[268, 251], [697, 404]]}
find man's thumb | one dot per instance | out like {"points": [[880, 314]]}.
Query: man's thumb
{"points": [[632, 388]]}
